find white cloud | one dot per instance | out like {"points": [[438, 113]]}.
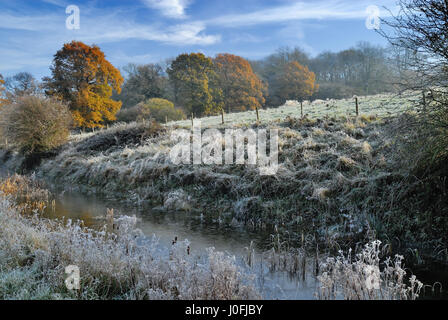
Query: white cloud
{"points": [[335, 9], [42, 35], [108, 28], [181, 34], [27, 23], [169, 8], [59, 3]]}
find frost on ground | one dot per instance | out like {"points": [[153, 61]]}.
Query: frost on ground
{"points": [[121, 264], [118, 262], [338, 177], [379, 105], [325, 165], [363, 277]]}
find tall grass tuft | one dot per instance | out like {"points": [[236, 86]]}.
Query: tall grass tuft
{"points": [[27, 192], [364, 277]]}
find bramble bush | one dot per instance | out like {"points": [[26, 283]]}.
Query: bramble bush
{"points": [[34, 124]]}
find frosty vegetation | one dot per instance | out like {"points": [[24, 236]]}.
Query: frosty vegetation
{"points": [[332, 171], [116, 262], [338, 180], [363, 277]]}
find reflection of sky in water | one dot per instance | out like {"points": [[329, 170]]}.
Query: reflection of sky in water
{"points": [[168, 225]]}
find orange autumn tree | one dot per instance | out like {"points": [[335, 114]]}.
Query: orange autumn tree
{"points": [[85, 80], [295, 82], [241, 88], [3, 100]]}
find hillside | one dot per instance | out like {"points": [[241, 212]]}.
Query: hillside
{"points": [[380, 105], [339, 179]]}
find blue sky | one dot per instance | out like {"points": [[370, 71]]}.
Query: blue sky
{"points": [[144, 31]]}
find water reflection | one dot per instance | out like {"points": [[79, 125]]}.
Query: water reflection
{"points": [[168, 225]]}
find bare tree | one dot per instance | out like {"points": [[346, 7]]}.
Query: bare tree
{"points": [[22, 84], [421, 27]]}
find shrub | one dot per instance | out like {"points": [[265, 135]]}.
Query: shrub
{"points": [[158, 109], [35, 124], [422, 137], [129, 114], [161, 110]]}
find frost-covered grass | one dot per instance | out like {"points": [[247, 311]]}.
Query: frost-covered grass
{"points": [[116, 262], [338, 178], [321, 160], [379, 105], [366, 277]]}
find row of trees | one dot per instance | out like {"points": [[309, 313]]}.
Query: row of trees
{"points": [[362, 70], [91, 86], [95, 90], [204, 85]]}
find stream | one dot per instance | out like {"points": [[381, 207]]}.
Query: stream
{"points": [[168, 225]]}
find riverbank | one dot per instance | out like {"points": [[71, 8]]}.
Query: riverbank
{"points": [[340, 181], [116, 262]]}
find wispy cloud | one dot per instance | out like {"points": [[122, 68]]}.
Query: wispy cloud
{"points": [[169, 8], [333, 9], [143, 30], [109, 28], [32, 37], [15, 21], [180, 34], [59, 3]]}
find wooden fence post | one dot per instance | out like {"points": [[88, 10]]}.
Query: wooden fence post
{"points": [[424, 100], [301, 109], [192, 117], [222, 115], [258, 116], [357, 106]]}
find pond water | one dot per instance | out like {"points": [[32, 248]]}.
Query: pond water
{"points": [[168, 225]]}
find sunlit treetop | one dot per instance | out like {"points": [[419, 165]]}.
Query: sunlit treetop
{"points": [[82, 77]]}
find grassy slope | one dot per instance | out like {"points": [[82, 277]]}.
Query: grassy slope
{"points": [[380, 105], [338, 179]]}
